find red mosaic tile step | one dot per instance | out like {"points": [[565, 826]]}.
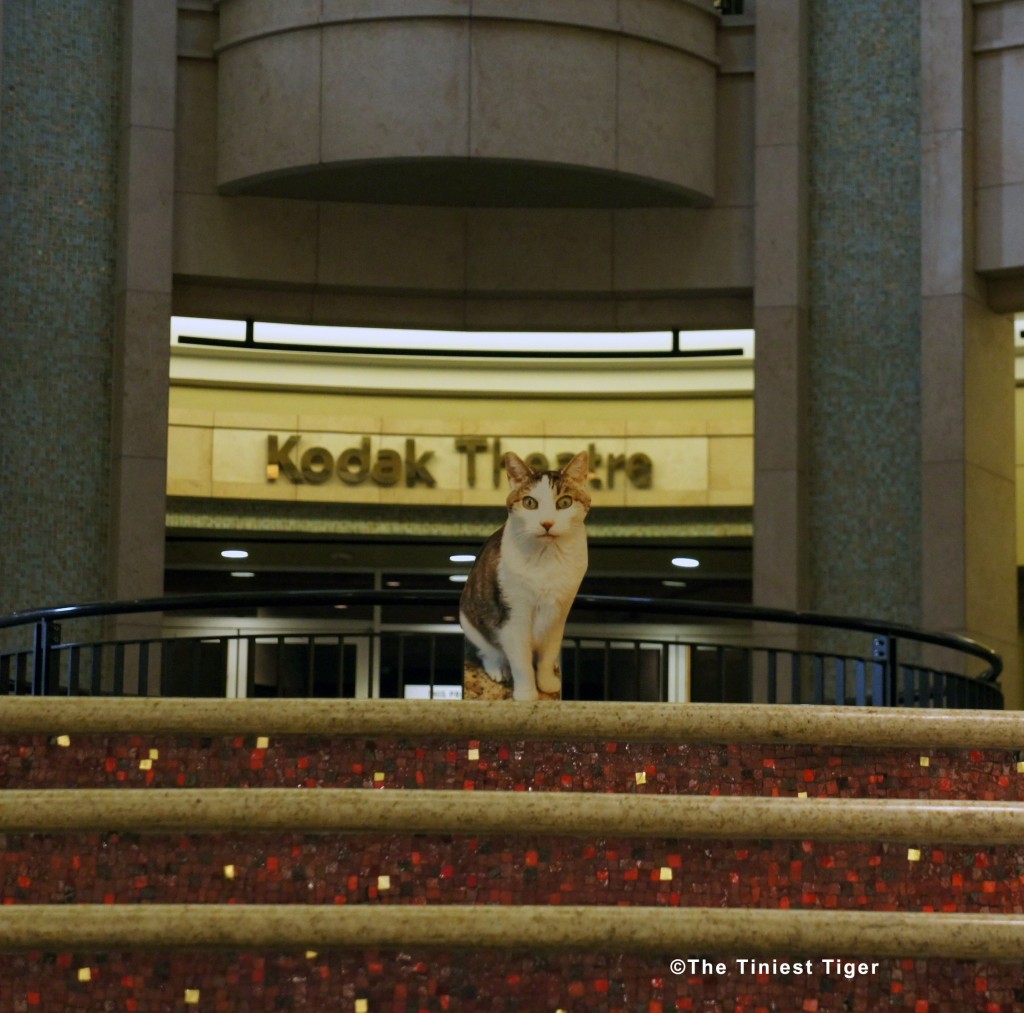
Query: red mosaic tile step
{"points": [[492, 982], [276, 868], [648, 768]]}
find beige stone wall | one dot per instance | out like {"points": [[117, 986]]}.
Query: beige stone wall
{"points": [[562, 267], [700, 452], [580, 86], [1019, 472], [999, 84]]}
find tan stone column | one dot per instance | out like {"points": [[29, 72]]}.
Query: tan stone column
{"points": [[143, 301], [780, 306], [781, 543], [969, 580]]}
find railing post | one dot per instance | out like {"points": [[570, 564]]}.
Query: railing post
{"points": [[47, 635], [894, 672], [884, 653]]}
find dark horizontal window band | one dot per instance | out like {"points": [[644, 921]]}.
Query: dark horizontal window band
{"points": [[250, 344]]}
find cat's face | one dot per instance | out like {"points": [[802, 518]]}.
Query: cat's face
{"points": [[547, 505]]}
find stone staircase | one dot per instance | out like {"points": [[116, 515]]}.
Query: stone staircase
{"points": [[393, 856]]}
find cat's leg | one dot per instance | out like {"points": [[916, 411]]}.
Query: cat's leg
{"points": [[495, 665], [515, 641], [524, 682], [549, 677], [492, 658]]}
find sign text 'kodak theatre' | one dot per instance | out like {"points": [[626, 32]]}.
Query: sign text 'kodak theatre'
{"points": [[410, 466]]}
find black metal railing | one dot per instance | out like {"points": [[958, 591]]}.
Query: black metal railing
{"points": [[740, 654]]}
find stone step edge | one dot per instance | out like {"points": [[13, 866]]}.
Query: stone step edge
{"points": [[731, 724], [676, 933], [367, 810]]}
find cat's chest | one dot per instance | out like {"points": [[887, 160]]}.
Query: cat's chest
{"points": [[551, 575]]}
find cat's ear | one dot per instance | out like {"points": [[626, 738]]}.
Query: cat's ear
{"points": [[578, 468], [516, 469]]}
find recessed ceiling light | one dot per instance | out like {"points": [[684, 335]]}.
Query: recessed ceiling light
{"points": [[392, 583], [448, 619], [459, 578], [686, 562], [463, 557], [674, 583], [341, 606], [242, 573], [235, 554]]}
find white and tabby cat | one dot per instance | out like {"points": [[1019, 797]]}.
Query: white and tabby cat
{"points": [[520, 589]]}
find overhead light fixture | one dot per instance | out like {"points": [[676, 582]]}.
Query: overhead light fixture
{"points": [[463, 557], [235, 554], [392, 583], [242, 573], [341, 606], [459, 578], [673, 583], [686, 562]]}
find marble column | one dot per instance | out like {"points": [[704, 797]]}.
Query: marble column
{"points": [[143, 301], [969, 573], [780, 307], [58, 145]]}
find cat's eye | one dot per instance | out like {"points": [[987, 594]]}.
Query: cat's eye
{"points": [[529, 502], [564, 502]]}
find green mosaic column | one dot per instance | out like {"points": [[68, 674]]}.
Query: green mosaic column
{"points": [[864, 283], [58, 159]]}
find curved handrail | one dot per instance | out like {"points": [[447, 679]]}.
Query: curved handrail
{"points": [[655, 606]]}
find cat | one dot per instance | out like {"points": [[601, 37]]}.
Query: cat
{"points": [[520, 589]]}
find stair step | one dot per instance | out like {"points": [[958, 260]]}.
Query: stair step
{"points": [[676, 832], [360, 810], [764, 724], [100, 927]]}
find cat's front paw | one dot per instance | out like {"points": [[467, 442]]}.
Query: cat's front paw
{"points": [[550, 682], [495, 675], [525, 693]]}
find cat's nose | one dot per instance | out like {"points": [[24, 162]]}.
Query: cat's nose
{"points": [[547, 525]]}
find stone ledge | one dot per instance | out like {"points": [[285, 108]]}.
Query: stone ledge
{"points": [[362, 810], [731, 724], [706, 931]]}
